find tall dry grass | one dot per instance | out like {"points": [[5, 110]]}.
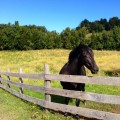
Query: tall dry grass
{"points": [[33, 61]]}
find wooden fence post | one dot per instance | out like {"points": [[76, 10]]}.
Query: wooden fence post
{"points": [[20, 81], [8, 70], [47, 83]]}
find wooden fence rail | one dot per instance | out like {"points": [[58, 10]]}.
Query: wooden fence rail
{"points": [[47, 77]]}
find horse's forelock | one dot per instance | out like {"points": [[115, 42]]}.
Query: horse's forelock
{"points": [[74, 53]]}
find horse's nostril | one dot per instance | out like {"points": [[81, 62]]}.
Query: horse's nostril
{"points": [[94, 71], [97, 69]]}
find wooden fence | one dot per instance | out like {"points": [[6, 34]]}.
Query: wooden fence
{"points": [[47, 77]]}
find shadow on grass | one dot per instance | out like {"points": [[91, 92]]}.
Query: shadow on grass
{"points": [[57, 99], [114, 73], [61, 99]]}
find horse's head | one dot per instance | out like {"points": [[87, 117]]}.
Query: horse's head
{"points": [[86, 58]]}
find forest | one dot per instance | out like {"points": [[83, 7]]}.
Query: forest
{"points": [[100, 34]]}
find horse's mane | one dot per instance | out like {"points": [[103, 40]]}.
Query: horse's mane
{"points": [[76, 51]]}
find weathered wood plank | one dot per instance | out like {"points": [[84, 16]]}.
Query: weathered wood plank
{"points": [[37, 101], [47, 83], [8, 70], [10, 74], [22, 75], [20, 81], [111, 99], [114, 81], [33, 76], [90, 113], [68, 93], [25, 86]]}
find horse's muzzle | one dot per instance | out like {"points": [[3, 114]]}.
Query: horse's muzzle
{"points": [[94, 71]]}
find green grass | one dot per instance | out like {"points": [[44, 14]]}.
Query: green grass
{"points": [[12, 108]]}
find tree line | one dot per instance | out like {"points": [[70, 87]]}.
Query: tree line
{"points": [[101, 34]]}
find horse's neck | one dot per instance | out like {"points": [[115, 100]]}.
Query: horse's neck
{"points": [[82, 71], [76, 68]]}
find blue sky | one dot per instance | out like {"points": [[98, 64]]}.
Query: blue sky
{"points": [[57, 14]]}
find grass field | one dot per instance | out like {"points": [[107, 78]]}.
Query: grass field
{"points": [[12, 108]]}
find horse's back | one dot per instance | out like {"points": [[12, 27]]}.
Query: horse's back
{"points": [[64, 70]]}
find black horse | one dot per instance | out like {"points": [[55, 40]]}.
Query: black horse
{"points": [[79, 57]]}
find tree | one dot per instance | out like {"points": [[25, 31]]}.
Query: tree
{"points": [[114, 21], [7, 38], [82, 35], [16, 24], [66, 36], [96, 26], [116, 36], [96, 41], [84, 23], [108, 41], [104, 23], [100, 34]]}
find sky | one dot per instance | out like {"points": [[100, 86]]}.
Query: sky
{"points": [[56, 15]]}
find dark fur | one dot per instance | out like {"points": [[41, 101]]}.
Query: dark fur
{"points": [[78, 58]]}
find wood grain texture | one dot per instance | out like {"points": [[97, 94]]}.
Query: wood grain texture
{"points": [[90, 113], [47, 77], [47, 83], [114, 81]]}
